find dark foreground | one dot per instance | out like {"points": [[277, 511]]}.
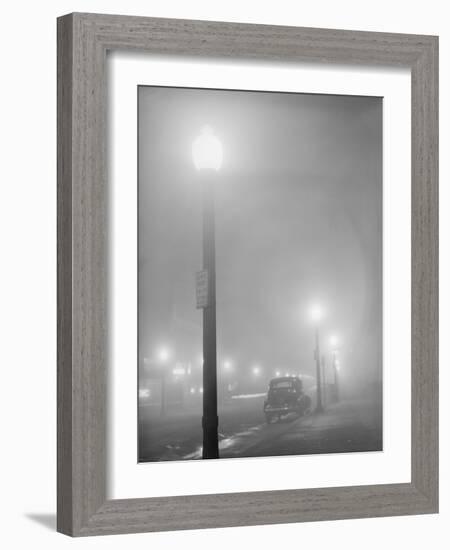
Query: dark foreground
{"points": [[349, 426]]}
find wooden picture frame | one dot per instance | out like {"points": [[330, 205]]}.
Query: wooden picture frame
{"points": [[83, 40]]}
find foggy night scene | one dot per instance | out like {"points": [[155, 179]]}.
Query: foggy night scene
{"points": [[259, 274]]}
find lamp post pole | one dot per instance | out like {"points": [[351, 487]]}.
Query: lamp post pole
{"points": [[163, 393], [336, 381], [324, 382], [319, 406], [210, 419], [207, 157]]}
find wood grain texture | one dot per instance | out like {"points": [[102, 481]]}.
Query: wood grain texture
{"points": [[64, 267], [83, 40], [424, 276]]}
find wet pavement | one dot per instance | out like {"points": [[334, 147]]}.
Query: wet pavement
{"points": [[349, 426]]}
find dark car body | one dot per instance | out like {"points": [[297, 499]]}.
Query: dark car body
{"points": [[286, 396]]}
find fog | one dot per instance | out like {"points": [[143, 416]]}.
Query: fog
{"points": [[298, 222]]}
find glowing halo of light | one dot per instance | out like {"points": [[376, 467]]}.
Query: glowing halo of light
{"points": [[316, 313], [163, 354], [207, 153]]}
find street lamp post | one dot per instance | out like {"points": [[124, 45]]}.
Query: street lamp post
{"points": [[334, 352], [207, 156], [319, 406], [210, 418], [316, 314], [324, 381], [336, 380]]}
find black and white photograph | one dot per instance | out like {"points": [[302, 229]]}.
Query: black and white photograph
{"points": [[260, 273], [224, 242]]}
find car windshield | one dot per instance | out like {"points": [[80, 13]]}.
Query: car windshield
{"points": [[281, 384]]}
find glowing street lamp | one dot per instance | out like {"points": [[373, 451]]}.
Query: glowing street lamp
{"points": [[227, 365], [316, 314], [334, 341], [207, 151], [163, 355], [256, 370], [207, 157]]}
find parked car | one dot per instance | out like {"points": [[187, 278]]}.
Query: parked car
{"points": [[286, 396]]}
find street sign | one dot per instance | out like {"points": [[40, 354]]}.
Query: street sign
{"points": [[201, 288]]}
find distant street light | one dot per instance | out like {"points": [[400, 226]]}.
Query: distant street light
{"points": [[227, 365], [334, 341], [163, 355], [256, 370], [207, 156], [316, 314]]}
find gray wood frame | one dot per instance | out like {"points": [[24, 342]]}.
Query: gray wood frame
{"points": [[83, 40]]}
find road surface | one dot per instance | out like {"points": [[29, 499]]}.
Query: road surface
{"points": [[349, 426]]}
